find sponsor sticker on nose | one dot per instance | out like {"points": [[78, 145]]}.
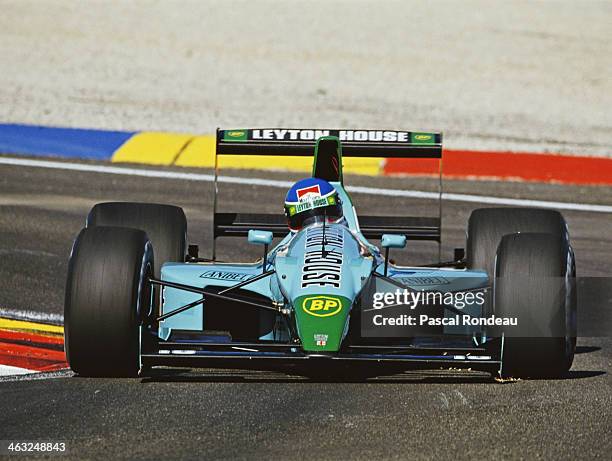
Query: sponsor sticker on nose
{"points": [[322, 306]]}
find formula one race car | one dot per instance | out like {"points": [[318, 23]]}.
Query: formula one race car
{"points": [[324, 297]]}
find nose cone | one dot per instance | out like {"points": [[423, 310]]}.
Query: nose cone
{"points": [[321, 321], [322, 276]]}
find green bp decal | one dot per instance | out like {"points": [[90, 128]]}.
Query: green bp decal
{"points": [[321, 320], [322, 306], [422, 138], [235, 135]]}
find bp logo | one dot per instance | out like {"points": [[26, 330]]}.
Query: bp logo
{"points": [[322, 306], [422, 138], [236, 135]]}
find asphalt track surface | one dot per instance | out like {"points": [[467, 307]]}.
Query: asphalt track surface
{"points": [[216, 414]]}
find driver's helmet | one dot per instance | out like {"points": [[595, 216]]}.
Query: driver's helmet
{"points": [[312, 200]]}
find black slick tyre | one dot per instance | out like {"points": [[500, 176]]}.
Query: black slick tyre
{"points": [[166, 226], [107, 295], [487, 226], [534, 283]]}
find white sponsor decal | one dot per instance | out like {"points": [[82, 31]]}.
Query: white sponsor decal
{"points": [[343, 135], [424, 280], [323, 269], [224, 275], [308, 193], [373, 136], [289, 135]]}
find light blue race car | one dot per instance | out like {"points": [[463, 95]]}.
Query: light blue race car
{"points": [[324, 298]]}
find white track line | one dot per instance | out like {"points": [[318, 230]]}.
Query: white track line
{"points": [[32, 316], [7, 370], [37, 375], [286, 184]]}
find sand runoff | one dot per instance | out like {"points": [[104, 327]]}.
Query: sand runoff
{"points": [[521, 76]]}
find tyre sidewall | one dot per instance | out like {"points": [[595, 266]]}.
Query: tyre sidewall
{"points": [[107, 293]]}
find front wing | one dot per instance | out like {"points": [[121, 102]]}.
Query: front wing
{"points": [[262, 355]]}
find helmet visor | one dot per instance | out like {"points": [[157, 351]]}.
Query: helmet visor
{"points": [[298, 214]]}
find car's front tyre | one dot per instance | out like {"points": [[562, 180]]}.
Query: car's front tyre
{"points": [[107, 297], [535, 284]]}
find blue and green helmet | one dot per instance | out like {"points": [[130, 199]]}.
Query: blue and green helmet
{"points": [[309, 199]]}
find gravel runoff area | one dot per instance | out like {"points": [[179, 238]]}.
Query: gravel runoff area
{"points": [[523, 76]]}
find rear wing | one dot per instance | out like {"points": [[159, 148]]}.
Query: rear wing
{"points": [[355, 143], [372, 227], [302, 142]]}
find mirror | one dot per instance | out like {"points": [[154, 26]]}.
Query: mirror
{"points": [[393, 241], [259, 237]]}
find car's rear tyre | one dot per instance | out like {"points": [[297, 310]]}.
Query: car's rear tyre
{"points": [[107, 296], [534, 283], [166, 226], [487, 226]]}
